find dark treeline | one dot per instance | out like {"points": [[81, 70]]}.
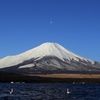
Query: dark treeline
{"points": [[8, 77]]}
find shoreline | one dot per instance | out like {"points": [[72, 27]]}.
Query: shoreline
{"points": [[56, 78], [67, 75]]}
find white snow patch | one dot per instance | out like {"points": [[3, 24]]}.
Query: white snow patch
{"points": [[26, 66]]}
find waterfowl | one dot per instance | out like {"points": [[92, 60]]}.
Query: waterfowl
{"points": [[68, 92], [11, 91]]}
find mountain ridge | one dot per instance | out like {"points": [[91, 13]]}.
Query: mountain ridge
{"points": [[48, 57]]}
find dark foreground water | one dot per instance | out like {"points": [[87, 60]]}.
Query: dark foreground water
{"points": [[43, 91]]}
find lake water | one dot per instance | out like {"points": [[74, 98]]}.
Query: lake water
{"points": [[48, 91]]}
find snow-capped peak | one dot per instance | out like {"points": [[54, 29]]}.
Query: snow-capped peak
{"points": [[45, 49]]}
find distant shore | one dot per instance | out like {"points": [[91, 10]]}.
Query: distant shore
{"points": [[51, 78], [67, 75]]}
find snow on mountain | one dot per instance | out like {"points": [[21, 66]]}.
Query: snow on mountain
{"points": [[46, 49], [27, 66]]}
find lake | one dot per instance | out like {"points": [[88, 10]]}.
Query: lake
{"points": [[49, 91]]}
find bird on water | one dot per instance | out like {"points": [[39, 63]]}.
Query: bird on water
{"points": [[11, 91], [68, 92]]}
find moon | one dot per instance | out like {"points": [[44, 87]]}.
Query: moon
{"points": [[50, 22]]}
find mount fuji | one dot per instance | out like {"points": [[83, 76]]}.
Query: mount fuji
{"points": [[48, 58]]}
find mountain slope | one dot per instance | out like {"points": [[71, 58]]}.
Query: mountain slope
{"points": [[48, 58]]}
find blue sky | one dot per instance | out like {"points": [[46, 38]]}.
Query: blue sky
{"points": [[74, 24]]}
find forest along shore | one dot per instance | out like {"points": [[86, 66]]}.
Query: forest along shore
{"points": [[50, 78], [67, 75]]}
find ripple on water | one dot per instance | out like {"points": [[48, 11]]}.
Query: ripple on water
{"points": [[42, 91]]}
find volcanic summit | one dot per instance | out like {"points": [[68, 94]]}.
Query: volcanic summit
{"points": [[48, 58]]}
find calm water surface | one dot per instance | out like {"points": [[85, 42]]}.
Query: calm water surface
{"points": [[46, 91]]}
